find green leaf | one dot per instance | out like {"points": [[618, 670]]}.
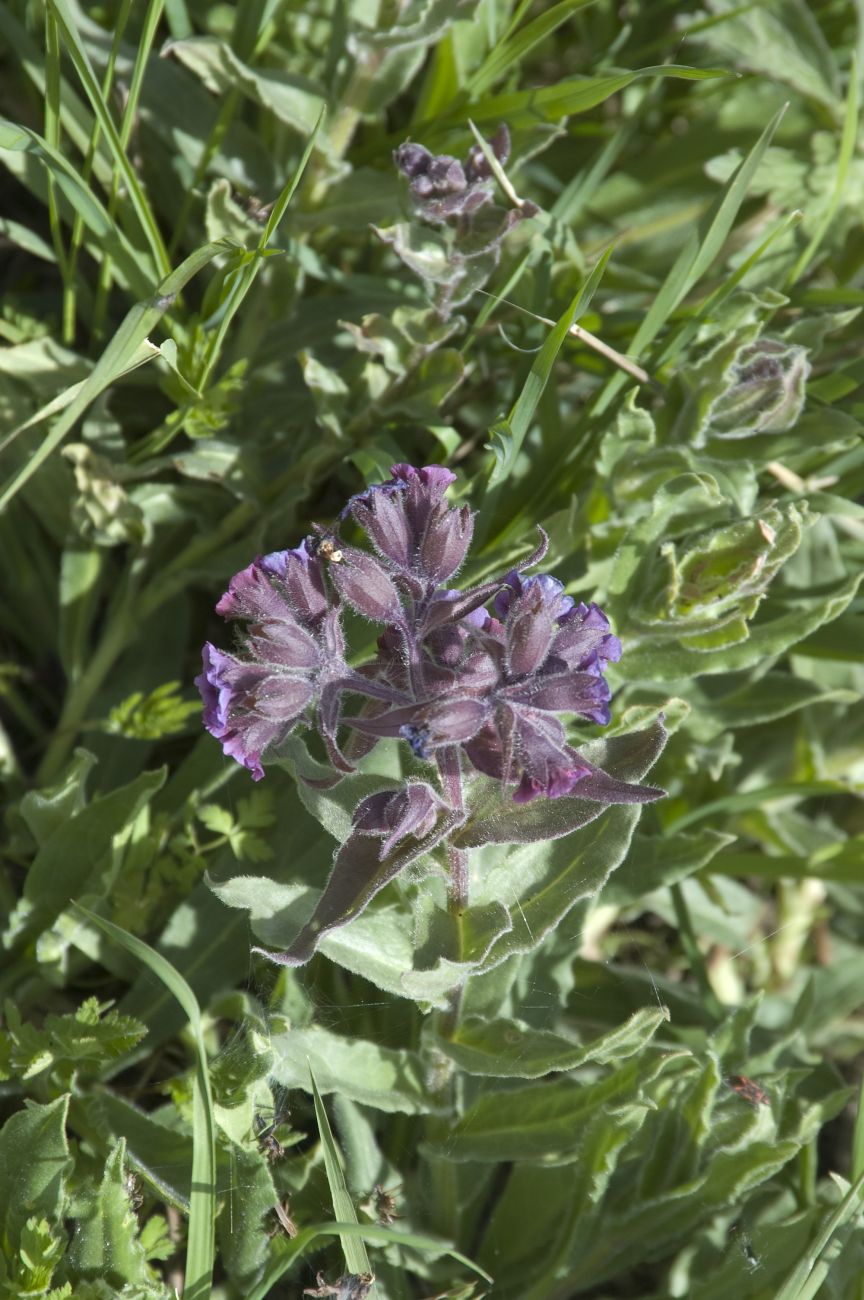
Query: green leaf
{"points": [[508, 435], [363, 1232], [795, 1285], [547, 1122], [106, 1242], [360, 871], [512, 1049], [774, 695], [524, 108], [654, 861], [134, 189], [356, 1259], [202, 1208], [161, 1156], [768, 637], [288, 98], [34, 1165], [82, 200], [385, 1078], [517, 44], [71, 855], [781, 41], [128, 348], [844, 158], [698, 252]]}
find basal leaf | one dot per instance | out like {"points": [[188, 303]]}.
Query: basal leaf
{"points": [[512, 1049], [34, 1165], [546, 1122], [381, 1077]]}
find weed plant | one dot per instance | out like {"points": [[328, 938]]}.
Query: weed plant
{"points": [[298, 300]]}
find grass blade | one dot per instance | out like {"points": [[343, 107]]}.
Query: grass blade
{"points": [[509, 434], [200, 1246], [798, 1283], [697, 255], [844, 158], [573, 95], [130, 116], [121, 354], [356, 1259], [137, 198], [292, 1250], [245, 278], [514, 46], [748, 799], [70, 183]]}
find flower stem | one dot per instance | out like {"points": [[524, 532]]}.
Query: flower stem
{"points": [[450, 771]]}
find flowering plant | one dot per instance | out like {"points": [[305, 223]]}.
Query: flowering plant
{"points": [[471, 682]]}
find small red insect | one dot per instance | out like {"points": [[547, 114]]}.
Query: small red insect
{"points": [[749, 1089]]}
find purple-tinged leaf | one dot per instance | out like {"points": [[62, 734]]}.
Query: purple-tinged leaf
{"points": [[359, 873], [495, 819]]}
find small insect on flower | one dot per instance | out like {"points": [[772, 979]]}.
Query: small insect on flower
{"points": [[324, 548], [749, 1089]]}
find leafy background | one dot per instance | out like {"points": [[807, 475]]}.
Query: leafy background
{"points": [[189, 376]]}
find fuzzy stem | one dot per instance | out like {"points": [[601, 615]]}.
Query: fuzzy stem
{"points": [[450, 771]]}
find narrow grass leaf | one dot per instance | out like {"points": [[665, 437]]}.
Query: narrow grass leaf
{"points": [[858, 1136], [514, 46], [121, 354], [844, 158], [508, 435], [524, 108], [202, 1202], [697, 254], [137, 197], [757, 799], [356, 1259], [685, 335], [22, 139], [146, 352], [796, 1286], [247, 274], [300, 1244]]}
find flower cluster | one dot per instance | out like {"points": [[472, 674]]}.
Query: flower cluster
{"points": [[474, 681], [441, 186]]}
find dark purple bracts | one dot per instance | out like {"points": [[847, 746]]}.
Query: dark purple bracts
{"points": [[484, 674]]}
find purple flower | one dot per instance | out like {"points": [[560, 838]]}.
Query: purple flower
{"points": [[396, 814], [441, 186], [412, 528], [472, 683], [248, 707], [449, 676]]}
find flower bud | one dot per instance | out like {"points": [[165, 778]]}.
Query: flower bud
{"points": [[302, 580], [765, 392], [396, 814], [445, 543], [412, 159], [361, 581], [530, 629]]}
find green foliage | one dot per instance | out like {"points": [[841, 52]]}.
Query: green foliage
{"points": [[625, 1067]]}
